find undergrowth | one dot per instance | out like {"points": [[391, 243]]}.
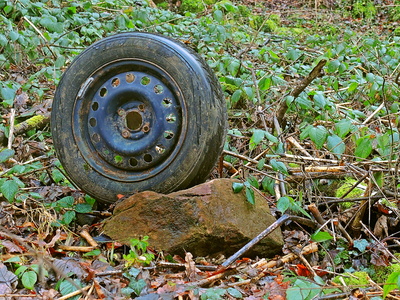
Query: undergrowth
{"points": [[347, 116]]}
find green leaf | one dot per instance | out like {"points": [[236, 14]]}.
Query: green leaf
{"points": [[29, 279], [333, 66], [236, 96], [213, 294], [9, 189], [318, 135], [361, 245], [391, 283], [8, 94], [256, 138], [278, 166], [379, 178], [283, 204], [335, 144], [66, 202], [250, 195], [20, 271], [268, 184], [218, 15], [233, 67], [321, 236], [261, 164], [237, 187], [5, 154], [271, 137], [364, 147], [94, 252], [83, 208], [234, 293], [343, 127], [253, 181], [137, 286], [352, 87], [68, 217], [265, 83], [66, 287]]}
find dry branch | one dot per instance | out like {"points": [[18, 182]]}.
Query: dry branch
{"points": [[37, 121], [316, 72]]}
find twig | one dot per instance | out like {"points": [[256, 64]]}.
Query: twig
{"points": [[41, 35], [76, 248], [263, 234], [293, 141], [74, 293], [86, 235], [316, 72], [374, 113], [11, 134]]}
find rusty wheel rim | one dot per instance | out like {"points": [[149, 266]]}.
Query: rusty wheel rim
{"points": [[129, 120]]}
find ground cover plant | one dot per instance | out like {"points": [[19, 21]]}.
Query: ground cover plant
{"points": [[312, 90]]}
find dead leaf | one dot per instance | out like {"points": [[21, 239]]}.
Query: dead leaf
{"points": [[191, 270]]}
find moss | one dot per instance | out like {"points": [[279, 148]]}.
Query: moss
{"points": [[364, 9], [353, 279], [344, 187], [382, 273], [195, 6]]}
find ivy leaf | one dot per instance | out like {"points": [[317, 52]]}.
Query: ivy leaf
{"points": [[5, 154], [391, 283], [137, 286], [29, 279], [65, 202], [234, 293], [83, 208], [236, 96], [9, 189], [343, 127], [283, 204], [321, 236], [268, 185], [256, 138], [318, 135], [68, 217], [253, 181], [364, 147], [361, 245], [335, 145], [250, 195], [237, 187], [278, 166]]}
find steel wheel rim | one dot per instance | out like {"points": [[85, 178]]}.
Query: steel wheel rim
{"points": [[129, 120]]}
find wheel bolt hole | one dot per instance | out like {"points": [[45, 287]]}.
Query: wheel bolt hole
{"points": [[141, 107], [93, 122], [168, 134], [145, 80], [133, 162], [95, 106], [171, 118], [103, 92], [146, 128], [158, 89], [148, 158], [115, 82], [134, 120], [166, 102], [129, 78], [95, 138], [160, 149]]}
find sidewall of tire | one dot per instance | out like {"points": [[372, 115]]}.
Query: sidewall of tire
{"points": [[206, 119]]}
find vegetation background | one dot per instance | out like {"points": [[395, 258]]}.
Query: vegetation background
{"points": [[333, 140]]}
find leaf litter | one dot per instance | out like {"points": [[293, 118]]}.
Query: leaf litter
{"points": [[33, 234]]}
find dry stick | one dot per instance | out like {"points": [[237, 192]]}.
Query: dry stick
{"points": [[316, 72], [11, 134], [76, 248], [75, 293], [265, 233], [86, 235], [37, 121], [295, 143], [374, 113], [317, 215], [41, 35]]}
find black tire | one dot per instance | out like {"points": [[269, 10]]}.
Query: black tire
{"points": [[138, 111]]}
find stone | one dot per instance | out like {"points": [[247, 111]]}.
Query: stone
{"points": [[206, 219]]}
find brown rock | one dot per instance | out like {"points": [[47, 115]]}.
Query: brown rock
{"points": [[204, 220]]}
